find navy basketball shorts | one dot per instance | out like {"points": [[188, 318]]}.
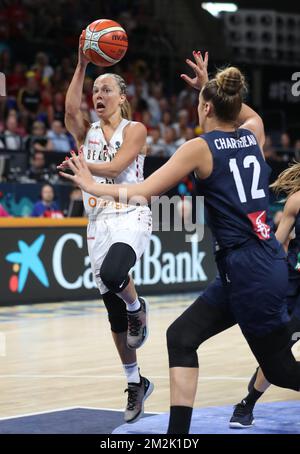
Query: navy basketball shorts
{"points": [[256, 281]]}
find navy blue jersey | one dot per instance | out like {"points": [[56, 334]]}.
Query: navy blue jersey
{"points": [[294, 252], [236, 194]]}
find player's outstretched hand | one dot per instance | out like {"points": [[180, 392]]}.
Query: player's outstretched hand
{"points": [[200, 69], [64, 165], [82, 176]]}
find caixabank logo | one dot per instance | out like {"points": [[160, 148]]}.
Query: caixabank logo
{"points": [[25, 261], [52, 265]]}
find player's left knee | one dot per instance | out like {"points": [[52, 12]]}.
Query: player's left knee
{"points": [[115, 280], [181, 351]]}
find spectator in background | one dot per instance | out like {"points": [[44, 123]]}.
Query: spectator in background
{"points": [[76, 194], [42, 68], [16, 80], [38, 170], [182, 123], [146, 120], [38, 140], [138, 102], [165, 122], [187, 97], [155, 144], [269, 150], [58, 108], [169, 137], [297, 150], [153, 104], [29, 100], [76, 207], [58, 139], [187, 134], [47, 207], [285, 146], [12, 137]]}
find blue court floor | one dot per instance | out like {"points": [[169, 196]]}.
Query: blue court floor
{"points": [[271, 418]]}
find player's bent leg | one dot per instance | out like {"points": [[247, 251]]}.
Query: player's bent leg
{"points": [[275, 357], [139, 388], [114, 273], [198, 323]]}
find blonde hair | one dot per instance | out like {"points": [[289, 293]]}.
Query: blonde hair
{"points": [[226, 91], [288, 181], [126, 110], [125, 107]]}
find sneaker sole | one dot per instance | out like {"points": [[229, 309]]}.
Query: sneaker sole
{"points": [[147, 327], [238, 425], [148, 393]]}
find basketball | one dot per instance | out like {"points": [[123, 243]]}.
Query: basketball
{"points": [[104, 42]]}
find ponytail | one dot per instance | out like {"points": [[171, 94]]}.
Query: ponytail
{"points": [[126, 110]]}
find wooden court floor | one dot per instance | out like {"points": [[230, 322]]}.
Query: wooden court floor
{"points": [[62, 355]]}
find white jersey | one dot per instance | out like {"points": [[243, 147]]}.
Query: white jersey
{"points": [[97, 150]]}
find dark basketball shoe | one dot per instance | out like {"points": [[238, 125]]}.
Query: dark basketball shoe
{"points": [[137, 331], [137, 394], [242, 417]]}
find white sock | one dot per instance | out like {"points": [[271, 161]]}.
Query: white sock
{"points": [[135, 306], [132, 372]]}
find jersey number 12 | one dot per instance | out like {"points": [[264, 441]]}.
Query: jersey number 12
{"points": [[255, 192]]}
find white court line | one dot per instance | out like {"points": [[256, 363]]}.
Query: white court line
{"points": [[38, 413], [122, 410], [73, 408], [119, 377]]}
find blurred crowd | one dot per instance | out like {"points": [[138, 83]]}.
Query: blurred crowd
{"points": [[32, 116]]}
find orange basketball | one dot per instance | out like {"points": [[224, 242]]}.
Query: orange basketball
{"points": [[104, 42]]}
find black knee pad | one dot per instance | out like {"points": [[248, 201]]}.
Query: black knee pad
{"points": [[117, 313], [198, 323], [116, 265], [180, 350]]}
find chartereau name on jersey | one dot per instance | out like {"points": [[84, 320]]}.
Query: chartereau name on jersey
{"points": [[229, 142]]}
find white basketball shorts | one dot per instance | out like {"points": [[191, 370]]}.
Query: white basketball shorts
{"points": [[133, 228]]}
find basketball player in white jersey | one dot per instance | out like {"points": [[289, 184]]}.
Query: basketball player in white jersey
{"points": [[117, 234]]}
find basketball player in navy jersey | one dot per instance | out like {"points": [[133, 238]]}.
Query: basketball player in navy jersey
{"points": [[233, 176], [117, 234], [288, 182]]}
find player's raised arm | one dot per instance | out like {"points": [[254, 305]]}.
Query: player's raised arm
{"points": [[74, 120]]}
